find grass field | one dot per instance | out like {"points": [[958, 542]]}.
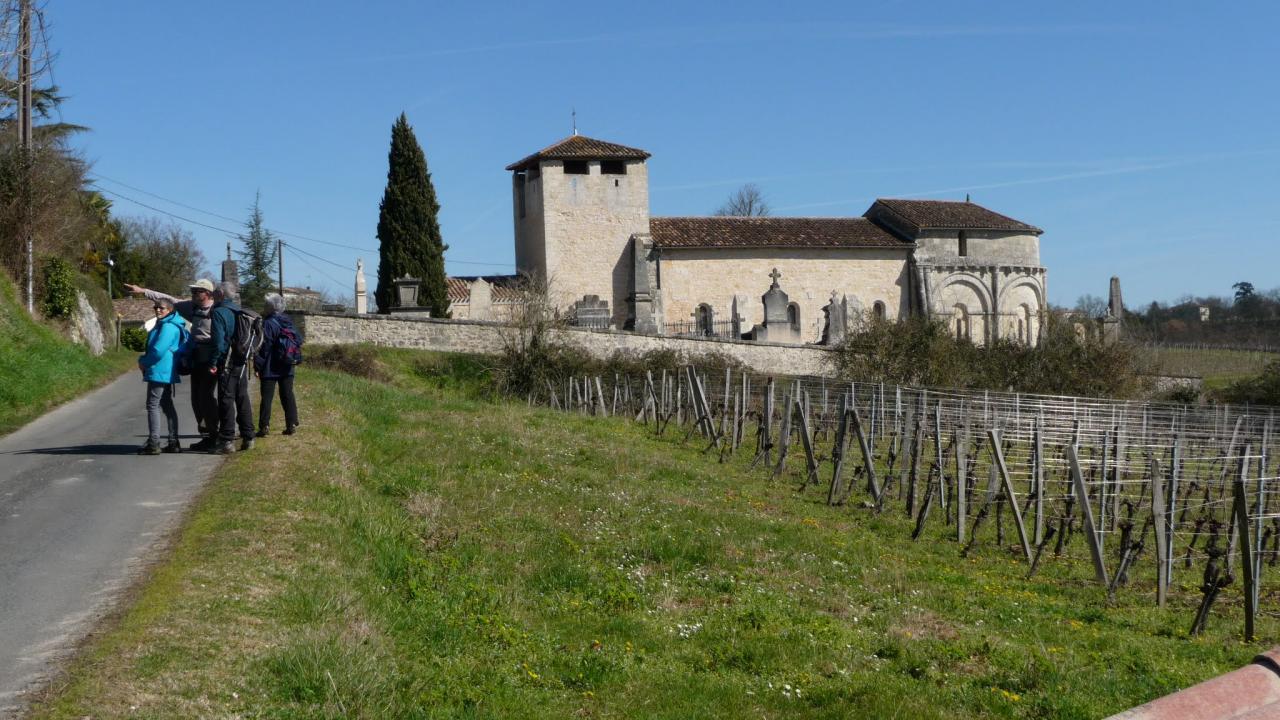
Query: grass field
{"points": [[39, 368], [1218, 367], [420, 551]]}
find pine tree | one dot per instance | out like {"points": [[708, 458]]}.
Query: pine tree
{"points": [[257, 259], [408, 229]]}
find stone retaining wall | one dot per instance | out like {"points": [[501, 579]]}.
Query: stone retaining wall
{"points": [[470, 336]]}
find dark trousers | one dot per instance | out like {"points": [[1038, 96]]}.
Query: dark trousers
{"points": [[160, 411], [234, 407], [204, 401], [287, 399]]}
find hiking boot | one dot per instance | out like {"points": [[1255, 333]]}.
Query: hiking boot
{"points": [[246, 444], [224, 448], [291, 429], [204, 444], [172, 448], [149, 449], [263, 433]]}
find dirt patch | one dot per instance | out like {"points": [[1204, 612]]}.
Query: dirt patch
{"points": [[924, 625]]}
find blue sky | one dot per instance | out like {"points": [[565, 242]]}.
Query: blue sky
{"points": [[1141, 136]]}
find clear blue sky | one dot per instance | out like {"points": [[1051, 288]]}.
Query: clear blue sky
{"points": [[1142, 136]]}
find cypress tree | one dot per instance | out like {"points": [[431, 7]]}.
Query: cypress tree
{"points": [[409, 241], [257, 259]]}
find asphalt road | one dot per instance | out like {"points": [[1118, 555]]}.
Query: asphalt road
{"points": [[79, 513]]}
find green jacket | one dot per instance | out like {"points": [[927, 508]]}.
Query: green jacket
{"points": [[224, 331]]}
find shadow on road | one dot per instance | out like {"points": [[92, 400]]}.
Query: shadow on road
{"points": [[104, 449]]}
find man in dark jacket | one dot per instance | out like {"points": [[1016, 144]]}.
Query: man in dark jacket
{"points": [[204, 385], [275, 369], [234, 407]]}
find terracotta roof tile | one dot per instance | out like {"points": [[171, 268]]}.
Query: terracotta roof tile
{"points": [[132, 309], [505, 288], [581, 147], [918, 215], [729, 232]]}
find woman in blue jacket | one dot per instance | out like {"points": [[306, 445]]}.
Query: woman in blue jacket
{"points": [[159, 368], [275, 363]]}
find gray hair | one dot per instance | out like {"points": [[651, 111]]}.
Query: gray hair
{"points": [[165, 303], [275, 303], [227, 290]]}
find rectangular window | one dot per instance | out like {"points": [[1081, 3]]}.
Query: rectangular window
{"points": [[963, 249], [613, 167], [576, 167]]}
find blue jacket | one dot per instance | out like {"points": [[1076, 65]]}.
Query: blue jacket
{"points": [[167, 339], [224, 330], [269, 366]]}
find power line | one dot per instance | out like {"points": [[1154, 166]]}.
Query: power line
{"points": [[237, 232], [323, 274], [224, 217]]}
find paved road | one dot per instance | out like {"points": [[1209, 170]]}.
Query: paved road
{"points": [[79, 511]]}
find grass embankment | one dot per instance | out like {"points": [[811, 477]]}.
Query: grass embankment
{"points": [[417, 551], [39, 368], [1218, 366]]}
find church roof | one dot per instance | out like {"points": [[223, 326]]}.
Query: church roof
{"points": [[581, 147], [731, 232], [917, 215], [505, 287]]}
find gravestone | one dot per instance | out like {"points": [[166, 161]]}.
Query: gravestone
{"points": [[407, 291], [836, 321], [591, 312], [777, 326]]}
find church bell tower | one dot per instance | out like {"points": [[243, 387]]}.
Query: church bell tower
{"points": [[576, 205]]}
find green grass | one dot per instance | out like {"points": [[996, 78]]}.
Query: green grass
{"points": [[421, 551], [39, 368], [1219, 367]]}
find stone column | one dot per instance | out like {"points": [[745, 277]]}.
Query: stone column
{"points": [[362, 292]]}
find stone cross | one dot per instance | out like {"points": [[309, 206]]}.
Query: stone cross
{"points": [[775, 275]]}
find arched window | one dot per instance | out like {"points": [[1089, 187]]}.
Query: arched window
{"points": [[960, 322], [706, 319], [877, 311], [963, 246], [793, 316]]}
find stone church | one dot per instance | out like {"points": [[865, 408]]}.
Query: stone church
{"points": [[581, 211]]}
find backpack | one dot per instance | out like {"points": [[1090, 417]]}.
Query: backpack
{"points": [[288, 349], [248, 336]]}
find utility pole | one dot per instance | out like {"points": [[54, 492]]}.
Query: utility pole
{"points": [[24, 140], [280, 264]]}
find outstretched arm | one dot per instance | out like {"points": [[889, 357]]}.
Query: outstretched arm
{"points": [[151, 295]]}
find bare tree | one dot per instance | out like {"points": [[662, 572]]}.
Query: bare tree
{"points": [[1091, 306], [746, 201]]}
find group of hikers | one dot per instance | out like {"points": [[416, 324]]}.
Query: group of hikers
{"points": [[223, 344]]}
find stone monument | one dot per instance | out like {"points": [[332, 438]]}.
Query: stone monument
{"points": [[1113, 323], [836, 320], [591, 312], [777, 325], [362, 292], [230, 271], [407, 290]]}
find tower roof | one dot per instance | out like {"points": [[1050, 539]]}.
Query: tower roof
{"points": [[581, 147]]}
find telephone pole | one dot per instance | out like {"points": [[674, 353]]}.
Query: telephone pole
{"points": [[280, 264], [24, 139]]}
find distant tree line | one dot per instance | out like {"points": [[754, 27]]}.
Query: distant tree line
{"points": [[1248, 317]]}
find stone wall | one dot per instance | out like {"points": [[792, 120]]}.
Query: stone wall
{"points": [[486, 338], [808, 276]]}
